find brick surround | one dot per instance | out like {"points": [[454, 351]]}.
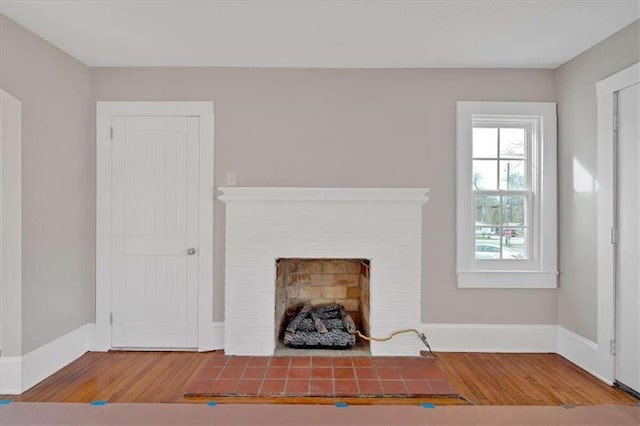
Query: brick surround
{"points": [[383, 226]]}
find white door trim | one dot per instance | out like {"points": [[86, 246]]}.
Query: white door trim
{"points": [[11, 226], [104, 112], [606, 203]]}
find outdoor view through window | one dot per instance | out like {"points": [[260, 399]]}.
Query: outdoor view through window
{"points": [[501, 191]]}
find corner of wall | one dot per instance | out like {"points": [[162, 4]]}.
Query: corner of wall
{"points": [[20, 373]]}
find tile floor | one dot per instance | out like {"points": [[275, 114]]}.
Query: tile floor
{"points": [[319, 376]]}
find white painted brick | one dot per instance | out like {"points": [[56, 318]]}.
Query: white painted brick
{"points": [[259, 232]]}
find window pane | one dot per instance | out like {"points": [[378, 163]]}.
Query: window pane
{"points": [[488, 233], [512, 143], [513, 175], [514, 243], [485, 175], [485, 142], [487, 244], [488, 211], [513, 211]]}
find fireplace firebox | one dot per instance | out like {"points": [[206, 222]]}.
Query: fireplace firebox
{"points": [[321, 302]]}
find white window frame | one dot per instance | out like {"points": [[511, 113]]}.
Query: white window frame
{"points": [[539, 270]]}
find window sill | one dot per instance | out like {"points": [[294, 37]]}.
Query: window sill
{"points": [[507, 279]]}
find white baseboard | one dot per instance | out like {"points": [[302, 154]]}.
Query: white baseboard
{"points": [[46, 360], [28, 370], [495, 338], [580, 351], [18, 374], [10, 375], [491, 337]]}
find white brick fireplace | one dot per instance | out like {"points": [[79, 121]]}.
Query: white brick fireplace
{"points": [[264, 224]]}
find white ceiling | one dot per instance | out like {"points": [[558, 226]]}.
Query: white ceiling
{"points": [[327, 34]]}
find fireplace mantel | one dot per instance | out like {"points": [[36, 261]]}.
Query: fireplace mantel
{"points": [[391, 195], [263, 224]]}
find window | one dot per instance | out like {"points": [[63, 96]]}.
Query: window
{"points": [[506, 195], [501, 187]]}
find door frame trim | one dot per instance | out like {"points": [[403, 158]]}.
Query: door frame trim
{"points": [[606, 287], [104, 112]]}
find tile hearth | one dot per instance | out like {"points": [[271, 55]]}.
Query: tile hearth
{"points": [[229, 376]]}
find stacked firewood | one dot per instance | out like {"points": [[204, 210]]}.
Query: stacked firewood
{"points": [[321, 326]]}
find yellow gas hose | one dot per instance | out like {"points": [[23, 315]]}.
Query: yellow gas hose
{"points": [[390, 336]]}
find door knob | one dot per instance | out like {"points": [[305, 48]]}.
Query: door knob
{"points": [[191, 251]]}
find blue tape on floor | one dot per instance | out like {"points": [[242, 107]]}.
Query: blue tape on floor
{"points": [[638, 404], [427, 405], [5, 401], [341, 405], [98, 403], [212, 403]]}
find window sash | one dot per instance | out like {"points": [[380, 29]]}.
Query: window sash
{"points": [[479, 121], [527, 193], [527, 222]]}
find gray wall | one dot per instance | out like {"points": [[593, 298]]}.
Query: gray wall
{"points": [[362, 128], [302, 128], [577, 165], [57, 234]]}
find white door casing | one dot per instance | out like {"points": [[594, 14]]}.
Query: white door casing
{"points": [[628, 244], [154, 202], [604, 360]]}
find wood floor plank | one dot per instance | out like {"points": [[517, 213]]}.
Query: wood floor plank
{"points": [[526, 379], [483, 379]]}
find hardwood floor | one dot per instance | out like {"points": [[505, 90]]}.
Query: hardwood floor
{"points": [[484, 379], [526, 379], [120, 377]]}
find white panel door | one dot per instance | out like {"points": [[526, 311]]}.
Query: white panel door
{"points": [[628, 288], [155, 232]]}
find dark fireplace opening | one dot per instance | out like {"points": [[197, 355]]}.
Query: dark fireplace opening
{"points": [[320, 302]]}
